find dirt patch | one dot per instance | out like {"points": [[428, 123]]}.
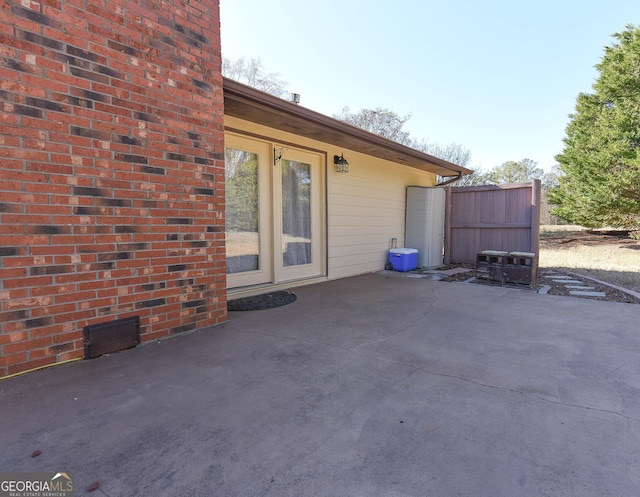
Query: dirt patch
{"points": [[549, 285], [606, 255], [608, 238], [556, 287]]}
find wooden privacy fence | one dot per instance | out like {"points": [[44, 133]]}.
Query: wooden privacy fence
{"points": [[504, 217]]}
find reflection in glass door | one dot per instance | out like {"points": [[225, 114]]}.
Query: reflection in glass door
{"points": [[296, 213], [274, 213], [298, 230], [243, 239], [247, 210]]}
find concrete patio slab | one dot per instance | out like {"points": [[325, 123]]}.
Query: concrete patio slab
{"points": [[370, 386]]}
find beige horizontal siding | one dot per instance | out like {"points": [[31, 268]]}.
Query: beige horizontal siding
{"points": [[365, 207]]}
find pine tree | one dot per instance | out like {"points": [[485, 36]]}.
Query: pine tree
{"points": [[600, 161]]}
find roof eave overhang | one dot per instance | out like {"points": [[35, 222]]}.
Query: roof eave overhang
{"points": [[247, 103]]}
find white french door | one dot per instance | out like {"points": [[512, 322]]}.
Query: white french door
{"points": [[247, 212], [274, 212], [298, 219]]}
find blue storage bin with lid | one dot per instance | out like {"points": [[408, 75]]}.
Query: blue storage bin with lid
{"points": [[403, 259]]}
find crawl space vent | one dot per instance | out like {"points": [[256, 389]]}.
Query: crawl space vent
{"points": [[112, 336]]}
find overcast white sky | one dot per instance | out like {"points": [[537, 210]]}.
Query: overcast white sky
{"points": [[499, 77]]}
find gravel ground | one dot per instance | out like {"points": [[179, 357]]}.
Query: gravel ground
{"points": [[547, 285]]}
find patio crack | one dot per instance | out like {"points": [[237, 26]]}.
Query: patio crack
{"points": [[351, 348], [499, 388], [286, 337], [428, 310], [431, 305]]}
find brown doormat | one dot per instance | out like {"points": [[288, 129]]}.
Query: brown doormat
{"points": [[261, 302]]}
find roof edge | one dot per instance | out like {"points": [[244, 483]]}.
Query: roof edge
{"points": [[233, 88]]}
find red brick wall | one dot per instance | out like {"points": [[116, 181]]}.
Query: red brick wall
{"points": [[111, 172]]}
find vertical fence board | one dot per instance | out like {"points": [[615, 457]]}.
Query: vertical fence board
{"points": [[504, 217]]}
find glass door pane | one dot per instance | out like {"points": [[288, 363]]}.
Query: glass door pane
{"points": [[274, 213], [296, 213], [242, 220]]}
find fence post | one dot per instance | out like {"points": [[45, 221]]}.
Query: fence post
{"points": [[535, 216], [447, 225]]}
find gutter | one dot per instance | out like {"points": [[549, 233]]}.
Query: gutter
{"points": [[244, 95], [450, 180]]}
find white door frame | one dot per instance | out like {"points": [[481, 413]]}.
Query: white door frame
{"points": [[318, 244], [271, 241], [264, 273]]}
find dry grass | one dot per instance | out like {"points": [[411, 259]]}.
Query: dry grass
{"points": [[606, 255], [241, 243]]}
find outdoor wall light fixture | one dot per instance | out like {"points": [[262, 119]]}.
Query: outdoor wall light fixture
{"points": [[342, 166]]}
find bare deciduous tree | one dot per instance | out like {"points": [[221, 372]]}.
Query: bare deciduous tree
{"points": [[251, 72], [453, 152], [381, 121], [387, 123]]}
